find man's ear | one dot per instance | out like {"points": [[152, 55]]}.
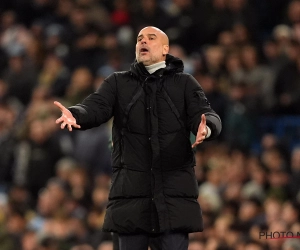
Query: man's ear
{"points": [[165, 49]]}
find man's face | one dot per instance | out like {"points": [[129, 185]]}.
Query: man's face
{"points": [[151, 46]]}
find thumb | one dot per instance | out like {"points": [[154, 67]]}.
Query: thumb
{"points": [[59, 105], [203, 119]]}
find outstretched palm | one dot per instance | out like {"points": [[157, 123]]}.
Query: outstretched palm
{"points": [[202, 132], [67, 119]]}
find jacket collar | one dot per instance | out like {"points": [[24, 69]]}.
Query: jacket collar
{"points": [[173, 65]]}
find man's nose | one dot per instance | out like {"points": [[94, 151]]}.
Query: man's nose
{"points": [[143, 41]]}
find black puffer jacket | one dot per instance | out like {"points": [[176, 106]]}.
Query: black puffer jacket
{"points": [[154, 188]]}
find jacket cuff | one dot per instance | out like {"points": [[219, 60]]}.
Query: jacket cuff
{"points": [[208, 132]]}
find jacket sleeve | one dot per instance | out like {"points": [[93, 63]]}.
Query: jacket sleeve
{"points": [[196, 105], [98, 107]]}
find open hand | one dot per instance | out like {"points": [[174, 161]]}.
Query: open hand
{"points": [[66, 118], [202, 132]]}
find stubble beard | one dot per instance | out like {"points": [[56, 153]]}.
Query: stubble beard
{"points": [[144, 60], [147, 61]]}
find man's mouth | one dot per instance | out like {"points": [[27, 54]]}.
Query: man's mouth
{"points": [[144, 50]]}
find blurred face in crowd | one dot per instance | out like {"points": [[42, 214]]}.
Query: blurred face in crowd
{"points": [[214, 56], [236, 5], [248, 211], [37, 131], [294, 11], [106, 245], [272, 209], [29, 240], [149, 5], [152, 46], [295, 164], [15, 224], [249, 56], [290, 213], [8, 19], [81, 78], [7, 118], [253, 246], [196, 246]]}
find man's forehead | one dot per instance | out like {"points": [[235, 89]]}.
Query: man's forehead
{"points": [[148, 31]]}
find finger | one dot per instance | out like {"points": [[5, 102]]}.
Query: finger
{"points": [[70, 127], [58, 104], [62, 126], [76, 126], [195, 143], [59, 120], [201, 135], [199, 140]]}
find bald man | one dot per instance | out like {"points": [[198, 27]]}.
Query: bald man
{"points": [[153, 193], [155, 49]]}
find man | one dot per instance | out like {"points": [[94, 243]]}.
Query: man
{"points": [[155, 106]]}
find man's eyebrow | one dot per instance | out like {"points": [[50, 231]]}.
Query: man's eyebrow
{"points": [[147, 35]]}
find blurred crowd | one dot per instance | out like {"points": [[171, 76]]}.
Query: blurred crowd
{"points": [[54, 184]]}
